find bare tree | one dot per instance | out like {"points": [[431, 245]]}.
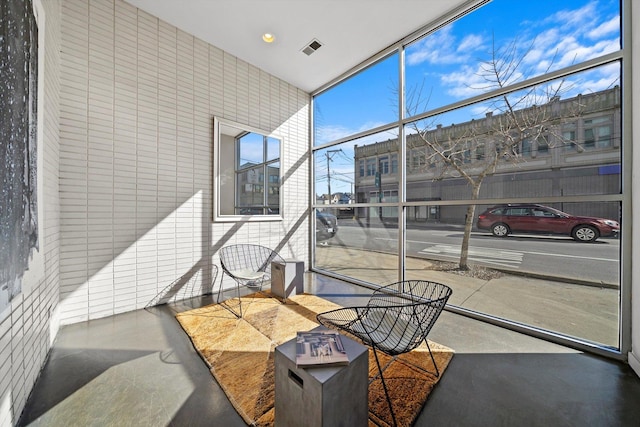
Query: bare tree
{"points": [[515, 124]]}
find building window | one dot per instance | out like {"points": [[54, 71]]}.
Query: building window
{"points": [[371, 167], [542, 145], [361, 168], [418, 160], [569, 137], [597, 132], [526, 147], [384, 164], [246, 173], [480, 151], [466, 156]]}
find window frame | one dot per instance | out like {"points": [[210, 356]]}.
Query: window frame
{"points": [[222, 175], [621, 57]]}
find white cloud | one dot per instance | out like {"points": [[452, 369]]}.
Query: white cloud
{"points": [[600, 84], [594, 80], [609, 27], [450, 58], [465, 83], [569, 39], [468, 82], [564, 38], [547, 38], [330, 133], [470, 42], [570, 45], [440, 48], [575, 18], [533, 56], [479, 110], [578, 53]]}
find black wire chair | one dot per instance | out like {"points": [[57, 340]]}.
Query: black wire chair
{"points": [[397, 319], [248, 265]]}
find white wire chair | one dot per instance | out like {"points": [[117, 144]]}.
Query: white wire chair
{"points": [[248, 265]]}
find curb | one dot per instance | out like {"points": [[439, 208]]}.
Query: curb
{"points": [[561, 279]]}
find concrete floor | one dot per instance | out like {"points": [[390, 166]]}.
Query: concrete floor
{"points": [[140, 369]]}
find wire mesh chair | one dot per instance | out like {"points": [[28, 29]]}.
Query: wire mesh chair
{"points": [[396, 319], [248, 265]]}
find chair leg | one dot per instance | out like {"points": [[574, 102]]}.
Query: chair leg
{"points": [[384, 386], [259, 284], [239, 300], [220, 289], [433, 359]]}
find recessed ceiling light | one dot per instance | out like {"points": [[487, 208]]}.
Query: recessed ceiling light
{"points": [[268, 37]]}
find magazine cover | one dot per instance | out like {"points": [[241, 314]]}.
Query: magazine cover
{"points": [[320, 349]]}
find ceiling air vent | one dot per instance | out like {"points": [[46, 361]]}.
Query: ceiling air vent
{"points": [[312, 47]]}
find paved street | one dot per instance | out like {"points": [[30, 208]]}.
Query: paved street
{"points": [[574, 309], [556, 256]]}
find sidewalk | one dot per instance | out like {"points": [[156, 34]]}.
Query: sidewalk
{"points": [[573, 309]]}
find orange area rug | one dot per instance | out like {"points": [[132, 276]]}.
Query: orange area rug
{"points": [[240, 354]]}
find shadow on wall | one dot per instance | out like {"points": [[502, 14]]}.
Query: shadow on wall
{"points": [[187, 286], [283, 242], [163, 252]]}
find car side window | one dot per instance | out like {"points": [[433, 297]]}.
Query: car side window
{"points": [[518, 212], [545, 213]]}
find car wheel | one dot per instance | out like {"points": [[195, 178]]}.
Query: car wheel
{"points": [[585, 233], [500, 229]]}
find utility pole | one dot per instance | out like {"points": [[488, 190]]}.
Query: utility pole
{"points": [[329, 155], [378, 182]]}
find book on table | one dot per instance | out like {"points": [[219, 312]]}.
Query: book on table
{"points": [[320, 349]]}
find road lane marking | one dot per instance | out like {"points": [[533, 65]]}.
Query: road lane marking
{"points": [[571, 256], [506, 258], [529, 252], [524, 252]]}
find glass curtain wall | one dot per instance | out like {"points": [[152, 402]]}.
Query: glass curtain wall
{"points": [[498, 170]]}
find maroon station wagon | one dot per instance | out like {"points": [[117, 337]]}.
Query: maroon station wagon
{"points": [[505, 219]]}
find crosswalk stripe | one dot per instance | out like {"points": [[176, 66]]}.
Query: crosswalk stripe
{"points": [[499, 257]]}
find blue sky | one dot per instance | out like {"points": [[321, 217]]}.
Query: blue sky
{"points": [[450, 65]]}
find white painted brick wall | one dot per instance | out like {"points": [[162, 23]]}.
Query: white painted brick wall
{"points": [[137, 104]]}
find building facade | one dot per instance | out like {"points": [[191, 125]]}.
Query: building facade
{"points": [[567, 147]]}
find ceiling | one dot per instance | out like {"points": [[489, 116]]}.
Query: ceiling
{"points": [[350, 30]]}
